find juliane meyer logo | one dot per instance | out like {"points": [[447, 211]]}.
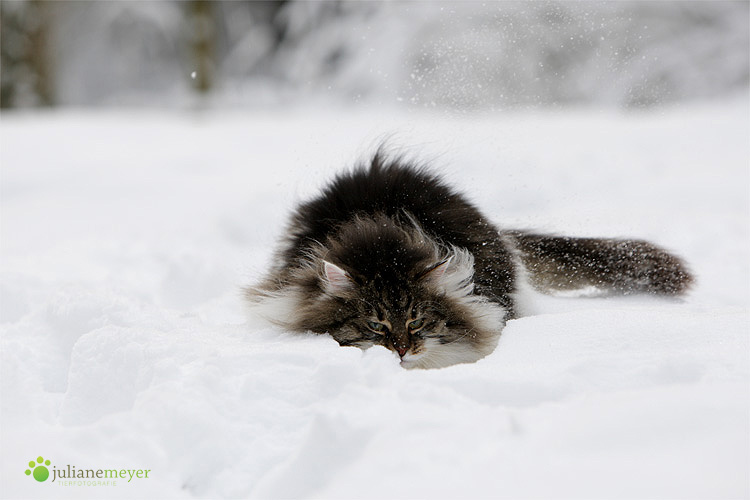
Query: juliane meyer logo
{"points": [[68, 475]]}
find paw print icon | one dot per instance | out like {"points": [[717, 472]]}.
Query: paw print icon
{"points": [[38, 469]]}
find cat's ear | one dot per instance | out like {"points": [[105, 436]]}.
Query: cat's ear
{"points": [[336, 281], [435, 273]]}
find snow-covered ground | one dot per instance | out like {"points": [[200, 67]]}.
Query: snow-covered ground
{"points": [[127, 235]]}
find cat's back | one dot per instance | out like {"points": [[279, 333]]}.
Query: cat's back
{"points": [[388, 187], [384, 187]]}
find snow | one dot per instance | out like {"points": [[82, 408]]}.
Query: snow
{"points": [[126, 236]]}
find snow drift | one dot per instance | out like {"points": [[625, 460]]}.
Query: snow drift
{"points": [[127, 236]]}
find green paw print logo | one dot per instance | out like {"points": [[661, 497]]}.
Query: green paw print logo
{"points": [[38, 469]]}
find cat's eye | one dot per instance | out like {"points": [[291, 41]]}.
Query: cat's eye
{"points": [[376, 327], [416, 324]]}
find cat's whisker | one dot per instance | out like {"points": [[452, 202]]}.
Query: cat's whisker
{"points": [[460, 338]]}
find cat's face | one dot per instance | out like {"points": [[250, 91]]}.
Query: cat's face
{"points": [[408, 325], [416, 320], [428, 316]]}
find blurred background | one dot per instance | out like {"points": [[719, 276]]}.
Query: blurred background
{"points": [[434, 54]]}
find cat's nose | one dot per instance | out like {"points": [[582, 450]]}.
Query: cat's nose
{"points": [[400, 344]]}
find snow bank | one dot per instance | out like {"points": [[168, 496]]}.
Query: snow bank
{"points": [[126, 236]]}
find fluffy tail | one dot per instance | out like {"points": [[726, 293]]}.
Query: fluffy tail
{"points": [[557, 263]]}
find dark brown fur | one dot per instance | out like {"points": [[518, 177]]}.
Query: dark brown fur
{"points": [[620, 266], [390, 255]]}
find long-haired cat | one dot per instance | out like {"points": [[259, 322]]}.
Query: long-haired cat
{"points": [[388, 254]]}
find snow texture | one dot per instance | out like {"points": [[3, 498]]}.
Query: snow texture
{"points": [[126, 237]]}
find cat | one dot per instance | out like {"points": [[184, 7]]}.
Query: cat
{"points": [[388, 254]]}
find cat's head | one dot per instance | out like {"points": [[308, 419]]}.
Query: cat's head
{"points": [[381, 284]]}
